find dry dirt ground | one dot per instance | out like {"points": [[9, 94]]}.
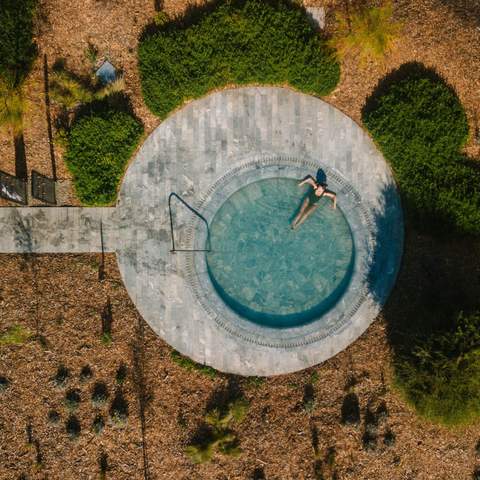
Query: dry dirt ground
{"points": [[60, 299]]}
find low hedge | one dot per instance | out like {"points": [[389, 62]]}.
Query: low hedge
{"points": [[99, 145], [235, 41], [440, 373], [420, 126]]}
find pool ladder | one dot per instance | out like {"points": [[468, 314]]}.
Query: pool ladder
{"points": [[199, 215]]}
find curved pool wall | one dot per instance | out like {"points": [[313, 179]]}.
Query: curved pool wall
{"points": [[359, 220], [191, 153], [270, 273]]}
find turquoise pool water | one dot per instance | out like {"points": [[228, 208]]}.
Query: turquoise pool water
{"points": [[270, 274]]}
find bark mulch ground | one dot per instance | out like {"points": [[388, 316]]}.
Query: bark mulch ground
{"points": [[292, 423]]}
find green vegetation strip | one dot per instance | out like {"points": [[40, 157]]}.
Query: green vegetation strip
{"points": [[420, 125], [99, 146], [234, 42], [15, 335], [190, 365]]}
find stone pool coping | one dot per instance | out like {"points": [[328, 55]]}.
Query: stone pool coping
{"points": [[187, 154]]}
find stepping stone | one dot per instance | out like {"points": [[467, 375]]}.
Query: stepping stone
{"points": [[107, 73], [316, 16]]}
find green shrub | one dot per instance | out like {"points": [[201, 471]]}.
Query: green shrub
{"points": [[17, 48], [236, 41], [440, 373], [99, 146], [420, 125]]}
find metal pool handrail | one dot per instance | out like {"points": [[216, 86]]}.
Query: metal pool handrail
{"points": [[199, 215]]}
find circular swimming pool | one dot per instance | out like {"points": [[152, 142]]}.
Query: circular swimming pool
{"points": [[267, 272]]}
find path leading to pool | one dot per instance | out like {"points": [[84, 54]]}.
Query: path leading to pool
{"points": [[233, 134], [57, 229]]}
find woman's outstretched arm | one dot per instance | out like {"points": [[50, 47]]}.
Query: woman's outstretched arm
{"points": [[333, 196], [308, 179]]}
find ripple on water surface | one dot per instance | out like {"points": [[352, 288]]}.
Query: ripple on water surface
{"points": [[273, 275]]}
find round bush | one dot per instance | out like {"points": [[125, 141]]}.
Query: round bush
{"points": [[237, 41], [99, 146], [420, 126]]}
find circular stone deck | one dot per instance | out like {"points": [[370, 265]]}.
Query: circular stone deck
{"points": [[204, 152]]}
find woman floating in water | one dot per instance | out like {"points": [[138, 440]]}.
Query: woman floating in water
{"points": [[310, 203]]}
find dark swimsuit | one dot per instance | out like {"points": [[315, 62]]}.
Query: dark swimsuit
{"points": [[313, 199]]}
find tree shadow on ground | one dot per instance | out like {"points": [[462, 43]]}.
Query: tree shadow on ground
{"points": [[21, 170]]}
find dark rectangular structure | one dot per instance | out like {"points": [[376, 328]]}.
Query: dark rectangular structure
{"points": [[43, 188], [13, 188]]}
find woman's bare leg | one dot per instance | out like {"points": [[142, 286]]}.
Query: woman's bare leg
{"points": [[300, 213], [307, 213]]}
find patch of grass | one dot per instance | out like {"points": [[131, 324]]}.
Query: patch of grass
{"points": [[368, 32], [233, 42], [314, 377], [121, 374], [119, 408], [86, 373], [99, 393], [12, 106], [216, 435], [190, 365], [254, 382], [62, 376], [106, 338], [15, 335], [103, 465], [53, 416], [98, 424], [308, 401], [99, 146], [389, 437], [72, 399], [4, 383]]}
